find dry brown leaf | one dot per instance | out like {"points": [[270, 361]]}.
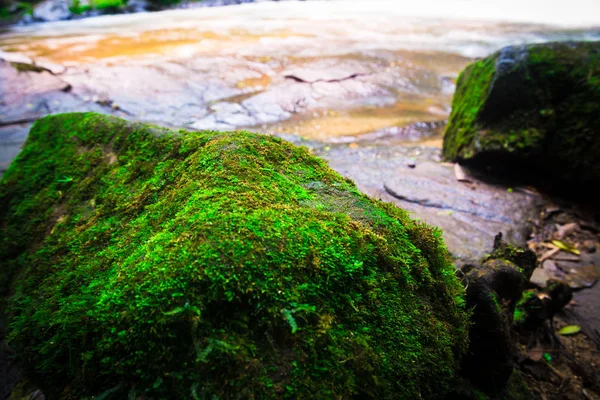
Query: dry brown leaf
{"points": [[549, 254], [567, 229], [543, 296]]}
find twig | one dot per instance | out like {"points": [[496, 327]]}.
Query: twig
{"points": [[549, 254]]}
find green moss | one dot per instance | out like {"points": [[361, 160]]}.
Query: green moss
{"points": [[13, 10], [147, 262], [518, 389], [471, 92], [528, 304], [77, 8], [24, 67], [542, 109], [469, 129]]}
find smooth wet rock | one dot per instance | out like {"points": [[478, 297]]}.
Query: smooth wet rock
{"points": [[22, 61], [582, 276], [324, 71], [531, 112], [135, 6], [470, 215], [52, 10], [26, 96], [552, 270], [225, 116], [540, 277], [15, 57]]}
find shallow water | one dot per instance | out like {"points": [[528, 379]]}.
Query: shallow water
{"points": [[405, 58]]}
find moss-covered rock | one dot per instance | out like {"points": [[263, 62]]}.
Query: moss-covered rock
{"points": [[142, 261], [533, 109], [516, 388], [493, 291]]}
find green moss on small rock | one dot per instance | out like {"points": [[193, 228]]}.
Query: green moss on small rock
{"points": [[26, 67], [532, 106], [142, 261], [528, 305]]}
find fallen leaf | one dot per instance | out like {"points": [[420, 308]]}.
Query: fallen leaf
{"points": [[565, 246], [353, 145], [569, 330], [565, 230], [549, 254]]}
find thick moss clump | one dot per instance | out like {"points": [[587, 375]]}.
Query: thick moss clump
{"points": [[530, 109], [142, 261]]}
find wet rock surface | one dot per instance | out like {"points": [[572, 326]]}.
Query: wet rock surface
{"points": [[52, 10], [368, 101], [471, 214], [27, 96]]}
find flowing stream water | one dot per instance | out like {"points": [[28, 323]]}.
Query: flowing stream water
{"points": [[342, 71]]}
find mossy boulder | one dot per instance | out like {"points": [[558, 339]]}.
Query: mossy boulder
{"points": [[140, 261], [530, 110]]}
